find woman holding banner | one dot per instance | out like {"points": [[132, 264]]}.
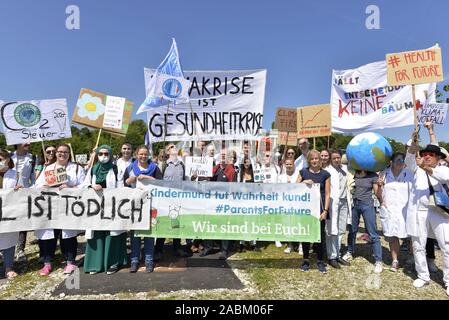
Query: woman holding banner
{"points": [[61, 174], [142, 169], [105, 250], [45, 159], [8, 240], [315, 174]]}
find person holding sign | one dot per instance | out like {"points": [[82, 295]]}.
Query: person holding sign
{"points": [[142, 169], [105, 250], [310, 175], [45, 160], [61, 174], [8, 240]]}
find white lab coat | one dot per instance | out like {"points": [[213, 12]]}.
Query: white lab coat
{"points": [[9, 239], [111, 182], [284, 178], [301, 163], [395, 198], [419, 197], [75, 178], [27, 173], [332, 223], [122, 165]]}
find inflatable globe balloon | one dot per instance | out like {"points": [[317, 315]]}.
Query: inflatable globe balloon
{"points": [[369, 152]]}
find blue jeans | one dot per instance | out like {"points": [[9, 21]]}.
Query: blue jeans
{"points": [[148, 245], [369, 217], [8, 257]]}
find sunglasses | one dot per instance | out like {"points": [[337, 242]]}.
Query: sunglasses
{"points": [[50, 151], [428, 153], [62, 152], [103, 153], [290, 153]]}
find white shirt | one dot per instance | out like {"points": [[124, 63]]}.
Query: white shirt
{"points": [[301, 163], [122, 165], [24, 168], [285, 178], [9, 239]]}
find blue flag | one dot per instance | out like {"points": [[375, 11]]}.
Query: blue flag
{"points": [[168, 83]]}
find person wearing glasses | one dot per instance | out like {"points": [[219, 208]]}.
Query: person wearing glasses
{"points": [[423, 218], [45, 160], [105, 250], [394, 192], [48, 238], [290, 154]]}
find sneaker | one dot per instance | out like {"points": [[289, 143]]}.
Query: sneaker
{"points": [[300, 250], [348, 256], [112, 270], [305, 266], [21, 256], [278, 244], [69, 268], [334, 264], [11, 275], [343, 262], [134, 267], [431, 265], [45, 271], [93, 272], [394, 266], [288, 249], [378, 267], [419, 283], [322, 267], [149, 268]]}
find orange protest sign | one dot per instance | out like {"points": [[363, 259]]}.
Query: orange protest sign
{"points": [[414, 67], [314, 121], [54, 177], [286, 119]]}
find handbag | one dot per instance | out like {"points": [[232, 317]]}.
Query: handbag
{"points": [[438, 199]]}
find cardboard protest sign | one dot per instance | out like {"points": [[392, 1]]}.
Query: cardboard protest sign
{"points": [[54, 177], [286, 120], [262, 174], [362, 100], [289, 139], [234, 211], [314, 121], [35, 120], [415, 67], [433, 112], [199, 166], [97, 110], [81, 158], [74, 209], [226, 105]]}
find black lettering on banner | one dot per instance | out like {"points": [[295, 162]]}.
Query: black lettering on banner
{"points": [[119, 209], [236, 85], [250, 118], [217, 86], [166, 116], [204, 86], [134, 209], [66, 197], [91, 213], [49, 194], [194, 86], [180, 120], [156, 125], [36, 204], [79, 204], [246, 85], [1, 212]]}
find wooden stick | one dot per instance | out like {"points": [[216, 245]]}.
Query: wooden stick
{"points": [[43, 150], [71, 152], [416, 132], [98, 139], [328, 142], [314, 143], [286, 145]]}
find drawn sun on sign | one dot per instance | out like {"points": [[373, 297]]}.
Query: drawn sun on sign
{"points": [[90, 107]]}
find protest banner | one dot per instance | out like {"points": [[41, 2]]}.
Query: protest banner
{"points": [[224, 105], [433, 112], [414, 67], [287, 138], [286, 119], [56, 176], [91, 108], [199, 166], [74, 209], [231, 211], [35, 120], [81, 158], [314, 121], [362, 101], [262, 174]]}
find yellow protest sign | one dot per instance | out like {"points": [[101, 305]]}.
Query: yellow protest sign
{"points": [[414, 67], [314, 121], [91, 108], [286, 119]]}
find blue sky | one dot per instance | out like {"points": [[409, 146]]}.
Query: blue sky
{"points": [[299, 43]]}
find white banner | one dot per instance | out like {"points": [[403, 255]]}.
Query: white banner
{"points": [[74, 209], [36, 120], [361, 100], [227, 105], [433, 112], [199, 166]]}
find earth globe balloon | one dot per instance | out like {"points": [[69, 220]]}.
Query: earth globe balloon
{"points": [[369, 151]]}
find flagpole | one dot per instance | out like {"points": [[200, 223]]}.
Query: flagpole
{"points": [[416, 132]]}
